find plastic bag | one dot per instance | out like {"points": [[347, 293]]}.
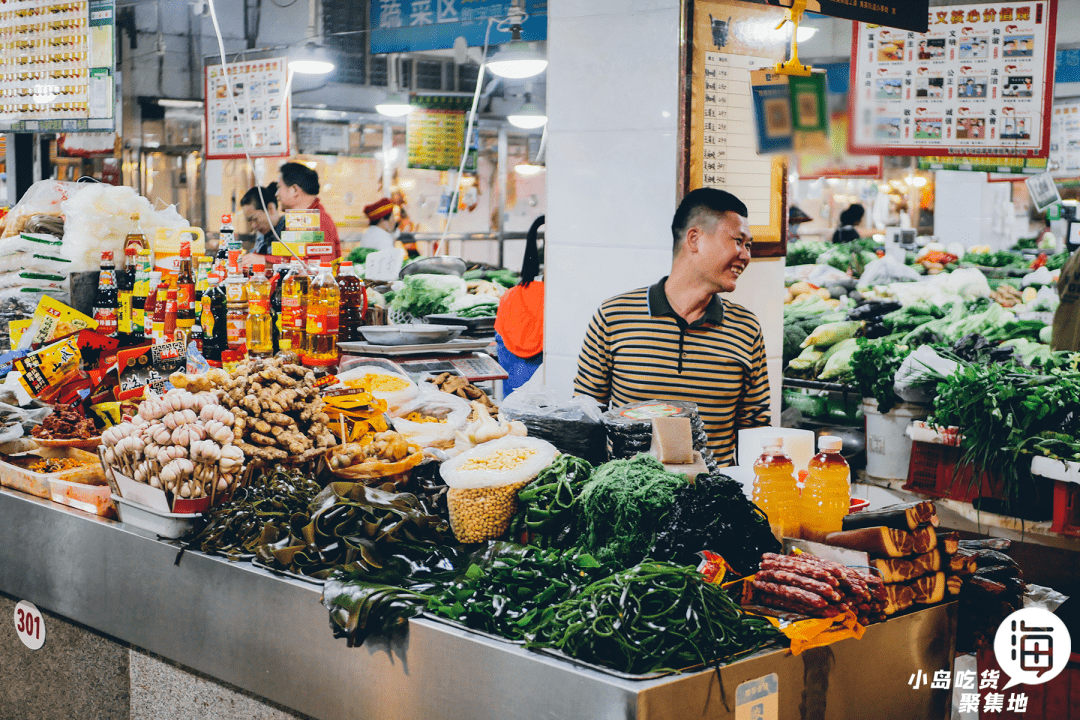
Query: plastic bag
{"points": [[30, 278], [968, 283], [452, 411], [42, 198], [397, 472], [825, 275], [912, 381], [570, 424], [30, 243], [482, 502], [98, 218], [359, 377], [885, 271]]}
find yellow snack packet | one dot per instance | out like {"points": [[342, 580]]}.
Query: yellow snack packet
{"points": [[50, 366], [16, 328], [53, 319]]}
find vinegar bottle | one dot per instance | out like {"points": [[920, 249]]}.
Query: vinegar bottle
{"points": [[323, 306], [774, 488], [351, 316], [827, 494], [293, 309], [260, 333]]}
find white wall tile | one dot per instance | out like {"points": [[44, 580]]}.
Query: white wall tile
{"points": [[614, 72], [776, 387], [615, 189], [559, 371], [761, 291], [558, 9]]}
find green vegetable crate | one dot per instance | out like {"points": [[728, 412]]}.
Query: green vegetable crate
{"points": [[825, 404]]}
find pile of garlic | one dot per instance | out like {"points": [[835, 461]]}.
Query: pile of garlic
{"points": [[181, 443]]}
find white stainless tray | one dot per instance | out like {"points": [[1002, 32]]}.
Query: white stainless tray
{"points": [[461, 345]]}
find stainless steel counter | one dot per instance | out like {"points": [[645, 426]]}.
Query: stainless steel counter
{"points": [[271, 636]]}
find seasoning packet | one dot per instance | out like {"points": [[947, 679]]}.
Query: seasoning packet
{"points": [[53, 319]]}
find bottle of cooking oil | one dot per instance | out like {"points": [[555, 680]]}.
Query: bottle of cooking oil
{"points": [[260, 332], [237, 312], [826, 496], [774, 488], [293, 308], [321, 328]]}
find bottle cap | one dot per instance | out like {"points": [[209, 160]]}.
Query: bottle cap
{"points": [[829, 442], [260, 268], [106, 255], [130, 251], [226, 219], [345, 263], [771, 441], [327, 263], [135, 216]]}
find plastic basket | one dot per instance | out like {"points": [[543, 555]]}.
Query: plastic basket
{"points": [[809, 402], [1066, 519], [932, 471]]}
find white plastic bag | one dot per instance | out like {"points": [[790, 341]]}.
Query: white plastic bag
{"points": [[885, 271], [35, 262], [453, 411], [464, 479], [31, 243], [98, 218], [44, 197], [914, 382], [394, 398], [30, 278], [825, 275]]}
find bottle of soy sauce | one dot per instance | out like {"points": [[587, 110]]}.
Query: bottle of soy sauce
{"points": [[106, 301]]}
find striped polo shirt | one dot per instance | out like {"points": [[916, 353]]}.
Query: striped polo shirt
{"points": [[638, 348]]}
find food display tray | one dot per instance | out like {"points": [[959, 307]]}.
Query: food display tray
{"points": [[167, 525], [37, 484], [461, 345], [473, 326]]}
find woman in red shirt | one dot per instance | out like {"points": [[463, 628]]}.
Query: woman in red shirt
{"points": [[519, 323]]}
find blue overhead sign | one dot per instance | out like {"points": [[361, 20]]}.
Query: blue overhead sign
{"points": [[417, 25]]}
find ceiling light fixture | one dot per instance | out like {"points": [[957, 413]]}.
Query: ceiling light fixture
{"points": [[517, 60], [528, 169], [529, 117], [169, 103], [311, 60], [396, 104], [805, 33]]}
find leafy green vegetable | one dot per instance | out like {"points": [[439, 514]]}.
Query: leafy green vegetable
{"points": [[1057, 261], [359, 255], [794, 334], [873, 367], [623, 505], [999, 259], [427, 294], [358, 610], [548, 505], [654, 616], [805, 252]]}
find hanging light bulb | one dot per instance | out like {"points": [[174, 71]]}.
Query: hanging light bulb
{"points": [[396, 104], [517, 61], [311, 60], [529, 117]]}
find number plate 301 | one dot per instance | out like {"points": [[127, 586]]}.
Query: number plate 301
{"points": [[30, 625]]}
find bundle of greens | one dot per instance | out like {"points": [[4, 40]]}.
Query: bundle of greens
{"points": [[714, 514], [999, 259], [655, 616], [873, 368], [360, 609], [259, 513], [425, 294], [548, 505], [623, 505], [805, 252], [507, 587]]}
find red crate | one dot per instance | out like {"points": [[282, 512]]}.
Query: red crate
{"points": [[933, 472], [1066, 508]]}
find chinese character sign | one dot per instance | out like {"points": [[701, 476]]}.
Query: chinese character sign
{"points": [[415, 25], [1065, 140], [246, 101], [979, 82]]}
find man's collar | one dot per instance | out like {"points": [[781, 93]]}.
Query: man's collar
{"points": [[659, 306]]}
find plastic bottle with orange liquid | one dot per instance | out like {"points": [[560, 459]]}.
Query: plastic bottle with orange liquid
{"points": [[827, 494], [774, 488]]}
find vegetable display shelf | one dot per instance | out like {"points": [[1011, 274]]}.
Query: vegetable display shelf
{"points": [[269, 636]]}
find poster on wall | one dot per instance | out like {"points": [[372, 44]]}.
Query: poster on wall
{"points": [[837, 162], [979, 82], [1015, 168], [719, 123], [1065, 140], [247, 101], [435, 133], [58, 66]]}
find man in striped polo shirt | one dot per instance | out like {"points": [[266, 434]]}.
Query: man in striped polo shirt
{"points": [[679, 340]]}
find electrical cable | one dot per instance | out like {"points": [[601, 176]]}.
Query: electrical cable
{"points": [[244, 136]]}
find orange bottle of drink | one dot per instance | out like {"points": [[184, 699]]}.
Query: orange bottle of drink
{"points": [[774, 488], [826, 496]]}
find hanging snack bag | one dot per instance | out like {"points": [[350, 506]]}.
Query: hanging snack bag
{"points": [[484, 484]]}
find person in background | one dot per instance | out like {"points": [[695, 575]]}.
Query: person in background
{"points": [[1066, 332], [519, 323], [380, 215], [298, 189], [265, 223], [849, 220]]}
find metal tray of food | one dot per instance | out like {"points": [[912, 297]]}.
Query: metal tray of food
{"points": [[417, 334], [454, 347], [441, 265], [473, 326]]}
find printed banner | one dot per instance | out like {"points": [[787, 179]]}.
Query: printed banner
{"points": [[416, 25], [247, 99], [978, 83], [57, 65], [435, 133]]}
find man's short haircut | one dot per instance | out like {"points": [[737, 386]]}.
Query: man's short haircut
{"points": [[699, 203], [300, 175]]}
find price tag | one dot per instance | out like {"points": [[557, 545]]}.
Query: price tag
{"points": [[384, 265], [758, 699], [30, 625]]}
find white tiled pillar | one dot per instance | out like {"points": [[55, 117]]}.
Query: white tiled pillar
{"points": [[612, 158]]}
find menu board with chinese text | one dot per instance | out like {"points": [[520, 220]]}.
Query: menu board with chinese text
{"points": [[435, 133], [247, 99], [1065, 139], [731, 39], [57, 65], [978, 83]]}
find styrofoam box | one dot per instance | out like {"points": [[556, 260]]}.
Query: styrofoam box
{"points": [[1062, 470]]}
